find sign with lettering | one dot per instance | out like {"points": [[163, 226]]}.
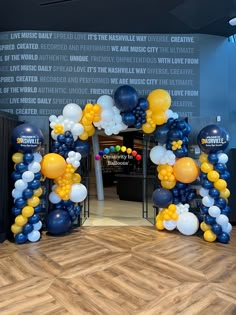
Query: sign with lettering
{"points": [[41, 72]]}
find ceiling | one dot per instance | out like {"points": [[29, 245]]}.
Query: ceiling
{"points": [[123, 16]]}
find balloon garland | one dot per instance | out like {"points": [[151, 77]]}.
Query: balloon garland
{"points": [[27, 139], [213, 140], [175, 170]]}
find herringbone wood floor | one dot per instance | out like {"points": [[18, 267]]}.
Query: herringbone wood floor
{"points": [[118, 271]]}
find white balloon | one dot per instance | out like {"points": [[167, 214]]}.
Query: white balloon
{"points": [[54, 198], [72, 112], [203, 192], [53, 135], [78, 192], [108, 131], [105, 101], [107, 115], [37, 226], [227, 228], [208, 201], [27, 176], [37, 157], [77, 129], [187, 223], [222, 158], [16, 193], [76, 164], [156, 153], [20, 185], [169, 224], [214, 211], [33, 236], [222, 220], [34, 167], [52, 118]]}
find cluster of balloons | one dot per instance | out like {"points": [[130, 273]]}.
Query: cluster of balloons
{"points": [[27, 139], [117, 149], [172, 216], [213, 140]]}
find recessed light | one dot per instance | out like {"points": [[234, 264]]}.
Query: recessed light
{"points": [[232, 22]]}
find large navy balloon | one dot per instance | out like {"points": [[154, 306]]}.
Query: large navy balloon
{"points": [[162, 197], [212, 139], [27, 138], [58, 222], [126, 98], [83, 147]]}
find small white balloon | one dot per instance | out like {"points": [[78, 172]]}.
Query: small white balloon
{"points": [[208, 201], [33, 236], [20, 185], [27, 176], [169, 224], [16, 193], [37, 157], [77, 129], [107, 115], [222, 158], [214, 211], [227, 228], [37, 226], [54, 198], [222, 220], [203, 192], [34, 167]]}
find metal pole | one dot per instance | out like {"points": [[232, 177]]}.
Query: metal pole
{"points": [[98, 168]]}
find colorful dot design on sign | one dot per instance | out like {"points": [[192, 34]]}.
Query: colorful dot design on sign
{"points": [[117, 148]]}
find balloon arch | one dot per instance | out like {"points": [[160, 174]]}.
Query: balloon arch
{"points": [[175, 170]]}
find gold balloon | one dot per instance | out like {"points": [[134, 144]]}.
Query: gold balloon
{"points": [[209, 236], [27, 211], [20, 220], [213, 176], [159, 225], [147, 128], [159, 118], [16, 228], [159, 100], [186, 170], [33, 201], [220, 184], [38, 192], [17, 157], [205, 227], [53, 165], [206, 167]]}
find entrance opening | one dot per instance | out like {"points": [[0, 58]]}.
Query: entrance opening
{"points": [[122, 180]]}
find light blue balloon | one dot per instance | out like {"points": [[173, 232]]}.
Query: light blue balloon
{"points": [[37, 226], [33, 236]]}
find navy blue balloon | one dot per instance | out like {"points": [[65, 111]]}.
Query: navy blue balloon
{"points": [[209, 219], [28, 158], [126, 98], [61, 138], [20, 238], [128, 119], [15, 211], [143, 103], [226, 211], [213, 192], [58, 222], [207, 184], [212, 158], [180, 185], [27, 228], [225, 175], [162, 197], [223, 238], [38, 209], [16, 175], [220, 202], [35, 218], [27, 193], [83, 147], [220, 167], [161, 134], [216, 228], [204, 209], [34, 184], [21, 167], [27, 138], [213, 139], [175, 134], [20, 202], [37, 175]]}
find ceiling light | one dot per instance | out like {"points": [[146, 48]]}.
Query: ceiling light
{"points": [[232, 22]]}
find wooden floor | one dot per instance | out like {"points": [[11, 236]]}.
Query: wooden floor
{"points": [[118, 271]]}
